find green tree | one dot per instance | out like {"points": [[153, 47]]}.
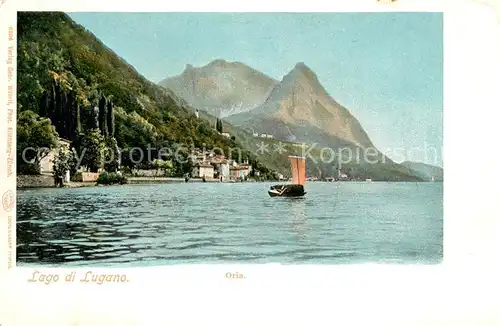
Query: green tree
{"points": [[77, 117], [35, 60], [62, 162], [88, 117], [103, 116], [218, 125], [93, 148], [36, 137], [112, 156], [110, 119], [182, 163]]}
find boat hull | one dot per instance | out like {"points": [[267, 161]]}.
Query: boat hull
{"points": [[290, 190]]}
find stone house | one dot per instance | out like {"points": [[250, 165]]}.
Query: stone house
{"points": [[222, 168], [236, 172], [201, 170]]}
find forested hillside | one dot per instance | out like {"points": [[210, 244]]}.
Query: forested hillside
{"points": [[94, 98]]}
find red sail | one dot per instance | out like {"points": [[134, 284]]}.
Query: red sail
{"points": [[298, 165]]}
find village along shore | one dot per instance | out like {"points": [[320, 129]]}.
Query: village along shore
{"points": [[206, 166]]}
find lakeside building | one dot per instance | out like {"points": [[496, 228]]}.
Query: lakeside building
{"points": [[47, 163], [237, 172], [240, 171], [221, 167], [218, 166], [201, 170], [246, 168]]}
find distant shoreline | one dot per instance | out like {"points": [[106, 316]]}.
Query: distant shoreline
{"points": [[45, 181], [34, 182]]}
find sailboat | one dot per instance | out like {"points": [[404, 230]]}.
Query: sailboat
{"points": [[296, 188]]}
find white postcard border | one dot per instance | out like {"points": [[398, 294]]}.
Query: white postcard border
{"points": [[461, 291]]}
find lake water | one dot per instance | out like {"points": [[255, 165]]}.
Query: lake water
{"points": [[139, 225]]}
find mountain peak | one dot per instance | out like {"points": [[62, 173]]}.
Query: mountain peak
{"points": [[213, 63], [221, 87], [302, 66], [218, 62], [302, 72]]}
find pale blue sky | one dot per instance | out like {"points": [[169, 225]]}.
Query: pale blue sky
{"points": [[386, 68]]}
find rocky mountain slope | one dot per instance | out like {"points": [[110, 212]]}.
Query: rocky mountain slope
{"points": [[221, 88], [296, 110], [300, 109]]}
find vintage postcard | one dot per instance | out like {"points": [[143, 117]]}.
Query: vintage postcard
{"points": [[146, 146], [237, 143]]}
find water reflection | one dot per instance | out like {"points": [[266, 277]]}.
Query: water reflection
{"points": [[62, 228], [299, 217], [193, 223]]}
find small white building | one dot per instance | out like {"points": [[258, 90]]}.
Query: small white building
{"points": [[226, 134], [47, 163]]}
